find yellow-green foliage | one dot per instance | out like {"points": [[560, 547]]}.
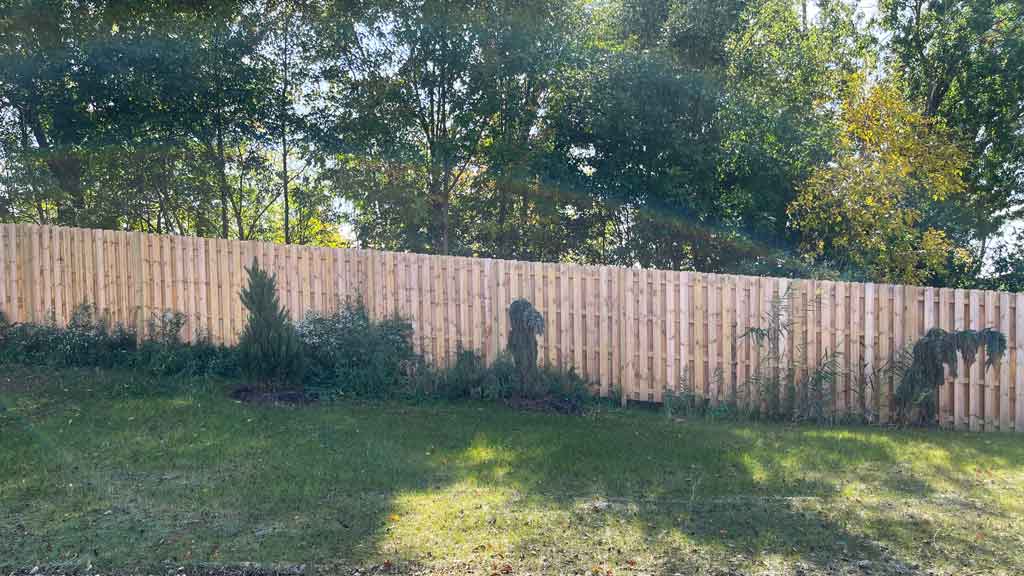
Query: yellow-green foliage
{"points": [[866, 208]]}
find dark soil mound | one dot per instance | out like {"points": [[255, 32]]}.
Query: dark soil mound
{"points": [[549, 403], [252, 395]]}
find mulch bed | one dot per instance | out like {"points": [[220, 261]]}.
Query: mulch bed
{"points": [[253, 395], [549, 403]]}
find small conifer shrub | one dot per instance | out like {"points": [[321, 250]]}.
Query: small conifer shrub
{"points": [[269, 349]]}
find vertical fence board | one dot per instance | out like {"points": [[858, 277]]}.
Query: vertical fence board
{"points": [[870, 389], [959, 380], [451, 309], [974, 381], [671, 331], [15, 269], [576, 301], [713, 322], [990, 373], [1019, 375], [898, 328], [728, 338], [685, 333], [884, 349], [657, 323], [753, 349], [855, 361], [60, 278], [826, 338], [740, 338], [946, 391], [840, 348], [6, 270], [603, 333], [643, 348], [435, 332], [540, 303], [46, 272], [628, 331], [428, 306], [1004, 363]]}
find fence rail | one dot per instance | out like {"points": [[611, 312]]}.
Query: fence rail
{"points": [[627, 329]]}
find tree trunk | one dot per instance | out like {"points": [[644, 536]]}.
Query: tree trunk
{"points": [[284, 185], [438, 196], [67, 169], [285, 69], [223, 178]]}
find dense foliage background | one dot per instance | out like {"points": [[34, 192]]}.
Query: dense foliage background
{"points": [[785, 137]]}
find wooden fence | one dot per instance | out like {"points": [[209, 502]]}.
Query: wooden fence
{"points": [[627, 329]]}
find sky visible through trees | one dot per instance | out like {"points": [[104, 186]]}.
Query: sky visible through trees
{"points": [[873, 140]]}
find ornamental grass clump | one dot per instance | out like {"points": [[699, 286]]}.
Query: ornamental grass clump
{"points": [[920, 371], [525, 324]]}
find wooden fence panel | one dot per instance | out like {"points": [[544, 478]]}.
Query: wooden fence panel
{"points": [[1018, 343], [629, 331]]}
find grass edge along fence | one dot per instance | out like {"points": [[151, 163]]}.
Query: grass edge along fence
{"points": [[633, 331]]}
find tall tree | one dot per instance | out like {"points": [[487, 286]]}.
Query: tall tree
{"points": [[785, 77], [965, 61], [414, 82], [864, 212]]}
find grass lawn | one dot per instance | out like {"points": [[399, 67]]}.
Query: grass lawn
{"points": [[128, 473]]}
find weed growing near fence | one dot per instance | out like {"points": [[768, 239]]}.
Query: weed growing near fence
{"points": [[163, 353], [787, 387]]}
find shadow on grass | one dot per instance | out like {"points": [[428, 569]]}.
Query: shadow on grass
{"points": [[128, 480], [696, 496]]}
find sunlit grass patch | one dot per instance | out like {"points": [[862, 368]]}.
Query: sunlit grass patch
{"points": [[98, 470]]}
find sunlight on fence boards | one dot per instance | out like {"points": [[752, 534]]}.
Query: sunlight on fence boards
{"points": [[638, 331]]}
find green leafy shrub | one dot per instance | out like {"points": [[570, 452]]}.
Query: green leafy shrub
{"points": [[164, 353], [570, 390], [87, 341], [32, 344], [90, 340], [501, 379], [269, 349], [467, 378], [350, 354]]}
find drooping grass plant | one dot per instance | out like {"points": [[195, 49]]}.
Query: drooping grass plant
{"points": [[920, 373], [525, 324]]}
